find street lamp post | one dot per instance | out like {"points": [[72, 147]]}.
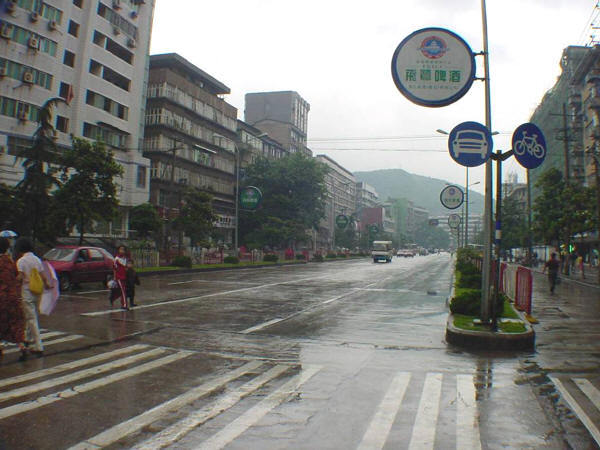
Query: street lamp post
{"points": [[467, 185]]}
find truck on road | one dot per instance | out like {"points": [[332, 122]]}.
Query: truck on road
{"points": [[382, 251]]}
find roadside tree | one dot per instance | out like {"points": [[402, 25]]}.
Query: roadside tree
{"points": [[144, 219], [196, 218]]}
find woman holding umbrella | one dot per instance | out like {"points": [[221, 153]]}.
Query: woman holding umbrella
{"points": [[12, 319]]}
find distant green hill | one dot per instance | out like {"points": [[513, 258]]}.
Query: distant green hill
{"points": [[423, 191]]}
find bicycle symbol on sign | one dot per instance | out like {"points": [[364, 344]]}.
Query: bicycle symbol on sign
{"points": [[529, 145]]}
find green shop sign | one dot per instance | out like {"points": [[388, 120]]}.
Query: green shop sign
{"points": [[250, 197], [373, 229], [342, 221]]}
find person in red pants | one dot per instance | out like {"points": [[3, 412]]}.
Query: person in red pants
{"points": [[120, 277]]}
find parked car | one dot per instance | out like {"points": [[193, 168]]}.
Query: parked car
{"points": [[405, 253], [75, 264]]}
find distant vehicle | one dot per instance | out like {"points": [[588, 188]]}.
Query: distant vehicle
{"points": [[74, 265], [470, 141], [382, 251], [405, 253]]}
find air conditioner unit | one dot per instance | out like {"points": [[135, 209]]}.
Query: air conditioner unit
{"points": [[6, 31], [3, 71], [52, 25], [131, 43], [116, 31], [116, 4], [133, 14], [22, 114], [33, 43], [28, 77], [34, 16]]}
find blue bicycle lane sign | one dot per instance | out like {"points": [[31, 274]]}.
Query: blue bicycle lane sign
{"points": [[529, 145]]}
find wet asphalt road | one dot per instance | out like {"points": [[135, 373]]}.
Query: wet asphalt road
{"points": [[338, 355]]}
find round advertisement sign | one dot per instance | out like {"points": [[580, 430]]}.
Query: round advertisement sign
{"points": [[433, 67], [454, 220], [250, 197], [342, 221], [452, 197]]}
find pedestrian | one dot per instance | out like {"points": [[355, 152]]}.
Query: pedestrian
{"points": [[552, 265], [27, 265], [120, 276], [12, 319], [131, 280], [580, 266]]}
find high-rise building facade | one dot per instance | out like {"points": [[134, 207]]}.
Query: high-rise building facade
{"points": [[93, 54], [191, 129], [282, 115]]}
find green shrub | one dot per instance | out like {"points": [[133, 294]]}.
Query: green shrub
{"points": [[182, 261], [331, 256], [466, 301], [342, 255], [318, 258], [231, 260], [300, 257], [270, 257], [468, 280]]}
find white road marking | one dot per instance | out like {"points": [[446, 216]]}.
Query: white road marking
{"points": [[423, 435], [179, 429], [381, 424], [262, 325], [49, 343], [467, 422], [589, 390], [77, 375], [19, 408], [578, 410], [257, 412], [213, 281], [93, 292], [134, 424], [43, 335], [69, 366], [200, 297]]}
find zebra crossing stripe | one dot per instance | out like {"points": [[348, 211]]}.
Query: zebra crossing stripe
{"points": [[73, 337], [42, 335], [578, 410], [589, 390], [257, 412], [76, 390], [70, 365], [134, 424], [178, 430], [467, 421], [8, 395], [382, 421], [423, 435]]}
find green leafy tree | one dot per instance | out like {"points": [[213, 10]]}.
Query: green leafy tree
{"points": [[347, 237], [88, 192], [196, 218], [514, 224], [144, 219], [8, 205], [293, 191], [33, 191], [429, 236]]}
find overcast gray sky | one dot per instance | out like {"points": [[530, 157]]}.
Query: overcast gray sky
{"points": [[337, 54]]}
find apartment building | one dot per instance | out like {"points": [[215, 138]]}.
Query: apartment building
{"points": [[190, 138], [366, 196], [282, 115], [93, 54], [254, 143]]}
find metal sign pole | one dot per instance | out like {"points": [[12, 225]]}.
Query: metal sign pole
{"points": [[487, 249]]}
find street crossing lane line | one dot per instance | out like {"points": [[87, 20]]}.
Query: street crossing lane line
{"points": [[589, 390], [73, 337], [178, 430], [381, 424], [71, 365], [42, 335], [200, 297], [423, 435], [258, 411], [467, 421], [578, 410], [76, 390], [134, 424], [25, 390]]}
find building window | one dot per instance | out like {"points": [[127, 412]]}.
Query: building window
{"points": [[118, 50], [62, 124], [141, 177], [108, 105], [73, 28], [69, 58], [15, 70], [22, 36], [78, 3]]}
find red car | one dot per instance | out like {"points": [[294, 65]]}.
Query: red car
{"points": [[74, 265]]}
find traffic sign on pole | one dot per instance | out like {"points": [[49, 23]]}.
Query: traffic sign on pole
{"points": [[454, 220], [452, 197], [529, 145], [470, 144]]}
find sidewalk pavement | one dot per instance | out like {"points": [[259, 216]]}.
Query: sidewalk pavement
{"points": [[590, 274]]}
